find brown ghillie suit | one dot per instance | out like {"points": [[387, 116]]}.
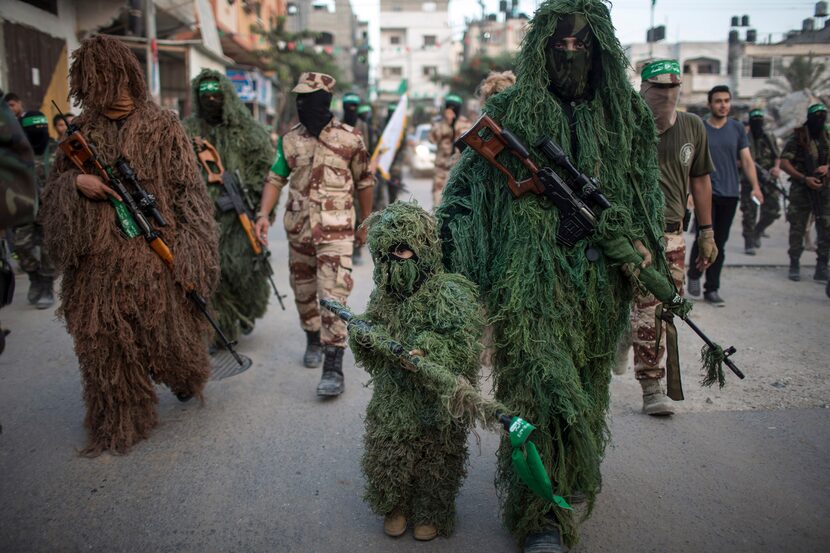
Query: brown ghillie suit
{"points": [[127, 312]]}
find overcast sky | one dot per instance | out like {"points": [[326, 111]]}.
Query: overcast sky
{"points": [[704, 20]]}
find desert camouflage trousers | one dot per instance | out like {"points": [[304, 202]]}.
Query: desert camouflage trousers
{"points": [[321, 272], [31, 252], [648, 360]]}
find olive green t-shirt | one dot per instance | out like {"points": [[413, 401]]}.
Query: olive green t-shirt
{"points": [[683, 152]]}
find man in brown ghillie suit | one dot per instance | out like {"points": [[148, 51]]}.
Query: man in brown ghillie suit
{"points": [[126, 311]]}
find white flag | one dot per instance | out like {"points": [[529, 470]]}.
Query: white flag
{"points": [[391, 139]]}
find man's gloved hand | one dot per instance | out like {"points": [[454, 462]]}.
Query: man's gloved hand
{"points": [[707, 249]]}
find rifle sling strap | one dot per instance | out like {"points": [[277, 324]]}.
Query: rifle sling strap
{"points": [[673, 382]]}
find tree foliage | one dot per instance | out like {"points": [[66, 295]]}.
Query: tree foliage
{"points": [[289, 57], [803, 73], [474, 70]]}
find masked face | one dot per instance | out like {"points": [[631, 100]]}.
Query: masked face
{"points": [[398, 272], [350, 114], [815, 123], [211, 102], [121, 107], [36, 128], [662, 100], [313, 110], [570, 57], [756, 126]]}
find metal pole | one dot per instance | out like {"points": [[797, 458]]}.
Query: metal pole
{"points": [[651, 41], [153, 78]]}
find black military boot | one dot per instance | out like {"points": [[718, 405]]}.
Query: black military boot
{"points": [[821, 270], [749, 245], [47, 293], [331, 384], [34, 288], [313, 357], [795, 270]]}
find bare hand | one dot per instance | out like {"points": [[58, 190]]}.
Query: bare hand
{"points": [[775, 172], [94, 188], [360, 236], [373, 165], [822, 170], [758, 195], [812, 182], [642, 250], [261, 230]]}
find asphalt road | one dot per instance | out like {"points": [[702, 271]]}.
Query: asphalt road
{"points": [[264, 466]]}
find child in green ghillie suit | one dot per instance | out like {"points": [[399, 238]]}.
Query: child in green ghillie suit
{"points": [[557, 315], [220, 117], [416, 451]]}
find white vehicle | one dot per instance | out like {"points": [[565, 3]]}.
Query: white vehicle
{"points": [[421, 152]]}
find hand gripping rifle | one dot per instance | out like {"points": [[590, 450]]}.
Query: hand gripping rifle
{"points": [[236, 198], [134, 210], [462, 401], [766, 178], [578, 202]]}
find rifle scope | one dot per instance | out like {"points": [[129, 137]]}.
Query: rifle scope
{"points": [[587, 187]]}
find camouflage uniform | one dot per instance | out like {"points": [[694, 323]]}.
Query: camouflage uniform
{"points": [[444, 135], [28, 239], [804, 200], [319, 218], [16, 164], [765, 153]]}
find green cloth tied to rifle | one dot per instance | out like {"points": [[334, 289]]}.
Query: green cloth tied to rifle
{"points": [[528, 465]]}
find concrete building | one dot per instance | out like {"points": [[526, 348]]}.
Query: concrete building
{"points": [[494, 36], [415, 45], [337, 28]]}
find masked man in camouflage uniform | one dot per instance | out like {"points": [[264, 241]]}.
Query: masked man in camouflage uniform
{"points": [[683, 154], [765, 152], [28, 244], [245, 150], [351, 106], [806, 157], [444, 132], [323, 161]]}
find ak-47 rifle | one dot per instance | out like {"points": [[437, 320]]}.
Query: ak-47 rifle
{"points": [[236, 198], [766, 178], [134, 210], [462, 401], [578, 202], [803, 138]]}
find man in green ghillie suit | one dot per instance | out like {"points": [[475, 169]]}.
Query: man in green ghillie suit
{"points": [[558, 312], [220, 117], [416, 451]]}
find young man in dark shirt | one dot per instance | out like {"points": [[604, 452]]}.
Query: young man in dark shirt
{"points": [[727, 142]]}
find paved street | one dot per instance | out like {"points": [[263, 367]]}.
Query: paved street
{"points": [[264, 466]]}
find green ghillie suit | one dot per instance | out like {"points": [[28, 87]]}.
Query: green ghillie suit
{"points": [[128, 314], [416, 450], [244, 146], [557, 315]]}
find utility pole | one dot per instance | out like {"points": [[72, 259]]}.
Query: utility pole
{"points": [[651, 42], [152, 53]]}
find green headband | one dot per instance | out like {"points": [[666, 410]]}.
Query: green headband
{"points": [[756, 113], [364, 109], [816, 107], [34, 120], [351, 98], [453, 99], [661, 67], [206, 87]]}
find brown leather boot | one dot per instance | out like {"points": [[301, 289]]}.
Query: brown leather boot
{"points": [[394, 524], [425, 532]]}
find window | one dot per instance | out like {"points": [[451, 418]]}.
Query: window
{"points": [[395, 40], [392, 72], [762, 67], [429, 70], [429, 7], [291, 9], [429, 41], [324, 39]]}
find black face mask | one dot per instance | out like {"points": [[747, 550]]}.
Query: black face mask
{"points": [[313, 110], [350, 114], [756, 126], [211, 109], [815, 123]]}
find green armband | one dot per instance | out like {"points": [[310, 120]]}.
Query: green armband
{"points": [[280, 166]]}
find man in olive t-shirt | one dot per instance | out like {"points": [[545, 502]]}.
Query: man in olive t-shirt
{"points": [[683, 154]]}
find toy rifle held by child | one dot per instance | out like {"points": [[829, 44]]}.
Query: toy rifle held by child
{"points": [[462, 401], [578, 202], [134, 210], [235, 198]]}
